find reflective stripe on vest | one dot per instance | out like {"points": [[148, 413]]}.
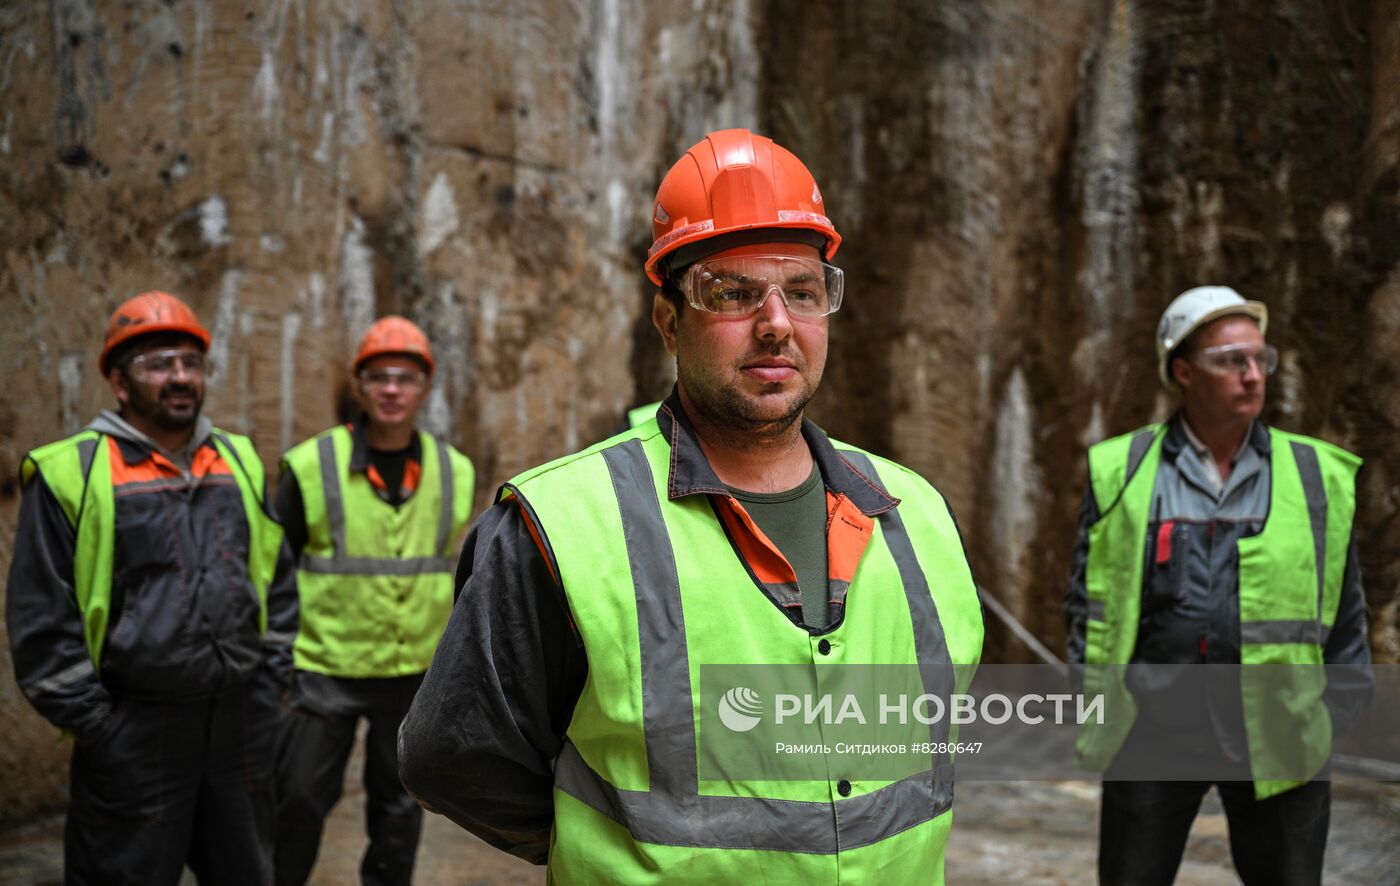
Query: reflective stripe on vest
{"points": [[375, 581], [1290, 577], [624, 562], [78, 473]]}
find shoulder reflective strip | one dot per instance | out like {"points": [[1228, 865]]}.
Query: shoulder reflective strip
{"points": [[375, 565], [86, 450], [276, 638], [1137, 450], [330, 489], [446, 505], [71, 674], [672, 812], [1316, 494], [1254, 632], [1096, 608], [668, 719]]}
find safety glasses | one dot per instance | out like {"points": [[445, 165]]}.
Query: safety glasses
{"points": [[738, 286], [1236, 359], [404, 379], [158, 364]]}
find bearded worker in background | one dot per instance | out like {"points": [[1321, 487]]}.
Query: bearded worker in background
{"points": [[151, 608], [1214, 539], [374, 511], [557, 721]]}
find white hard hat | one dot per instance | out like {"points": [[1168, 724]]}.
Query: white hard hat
{"points": [[1193, 309]]}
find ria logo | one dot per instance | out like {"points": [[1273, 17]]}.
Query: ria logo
{"points": [[740, 709]]}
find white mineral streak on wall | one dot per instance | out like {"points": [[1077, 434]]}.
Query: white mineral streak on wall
{"points": [[1094, 431], [316, 290], [1336, 229], [609, 76], [1210, 208], [450, 344], [213, 221], [5, 132], [439, 216], [1289, 399], [356, 281], [70, 385], [266, 93], [291, 328], [1108, 165], [739, 106], [574, 348], [241, 419], [222, 332], [357, 74], [1015, 480]]}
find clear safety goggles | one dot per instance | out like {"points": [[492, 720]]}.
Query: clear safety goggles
{"points": [[404, 379], [737, 286], [155, 364], [1236, 359]]}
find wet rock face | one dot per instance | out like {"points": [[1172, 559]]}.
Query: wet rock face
{"points": [[1022, 188]]}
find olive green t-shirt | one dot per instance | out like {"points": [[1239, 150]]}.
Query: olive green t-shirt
{"points": [[795, 521]]}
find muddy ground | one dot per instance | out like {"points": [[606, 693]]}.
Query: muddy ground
{"points": [[1006, 833]]}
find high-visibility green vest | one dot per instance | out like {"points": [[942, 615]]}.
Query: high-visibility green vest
{"points": [[375, 580], [1290, 583], [639, 415], [78, 470], [657, 591]]}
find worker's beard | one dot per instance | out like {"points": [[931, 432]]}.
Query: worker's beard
{"points": [[175, 406], [716, 393]]}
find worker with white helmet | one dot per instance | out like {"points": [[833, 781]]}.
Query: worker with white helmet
{"points": [[373, 510], [562, 718], [1210, 546]]}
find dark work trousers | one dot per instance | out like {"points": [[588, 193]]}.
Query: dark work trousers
{"points": [[1278, 841], [165, 785], [313, 748]]}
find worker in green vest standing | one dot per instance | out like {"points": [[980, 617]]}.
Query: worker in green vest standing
{"points": [[151, 612], [1217, 557], [561, 718], [374, 511]]}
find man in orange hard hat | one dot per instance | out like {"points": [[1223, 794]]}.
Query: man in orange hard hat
{"points": [[151, 612], [567, 716], [374, 511]]}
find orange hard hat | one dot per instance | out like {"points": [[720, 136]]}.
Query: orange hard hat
{"points": [[147, 313], [733, 181], [395, 335]]}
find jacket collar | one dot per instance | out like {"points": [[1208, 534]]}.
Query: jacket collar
{"points": [[1176, 439], [691, 474], [137, 447]]}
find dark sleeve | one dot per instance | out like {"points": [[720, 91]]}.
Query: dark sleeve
{"points": [[51, 660], [291, 511], [479, 741], [1350, 679], [1077, 595], [283, 617]]}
